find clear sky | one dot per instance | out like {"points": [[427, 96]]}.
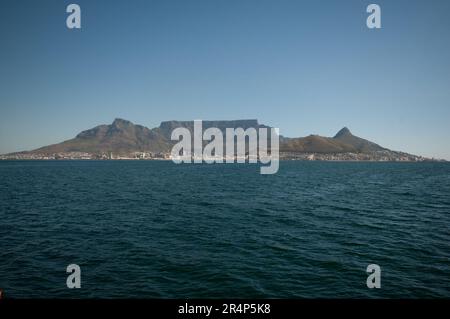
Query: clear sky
{"points": [[307, 67]]}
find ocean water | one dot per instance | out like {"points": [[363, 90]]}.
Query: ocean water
{"points": [[154, 229]]}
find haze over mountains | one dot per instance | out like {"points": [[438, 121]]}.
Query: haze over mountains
{"points": [[122, 137]]}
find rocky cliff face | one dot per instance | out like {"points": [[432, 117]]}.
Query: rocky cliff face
{"points": [[120, 137], [167, 127]]}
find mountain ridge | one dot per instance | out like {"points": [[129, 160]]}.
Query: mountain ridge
{"points": [[124, 138]]}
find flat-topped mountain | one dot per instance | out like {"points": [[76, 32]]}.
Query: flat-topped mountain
{"points": [[167, 127], [122, 137]]}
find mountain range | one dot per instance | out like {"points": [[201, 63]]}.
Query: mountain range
{"points": [[124, 137]]}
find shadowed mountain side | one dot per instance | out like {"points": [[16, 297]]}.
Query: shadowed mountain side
{"points": [[125, 138], [167, 127], [120, 137], [315, 144], [344, 141]]}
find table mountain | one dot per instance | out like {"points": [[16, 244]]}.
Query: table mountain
{"points": [[122, 137]]}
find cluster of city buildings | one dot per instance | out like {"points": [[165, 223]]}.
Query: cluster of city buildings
{"points": [[379, 156], [86, 156]]}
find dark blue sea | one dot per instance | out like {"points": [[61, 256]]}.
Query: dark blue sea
{"points": [[154, 229]]}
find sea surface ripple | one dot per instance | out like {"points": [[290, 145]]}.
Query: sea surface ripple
{"points": [[154, 229]]}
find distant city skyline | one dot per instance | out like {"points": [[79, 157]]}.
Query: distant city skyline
{"points": [[303, 66]]}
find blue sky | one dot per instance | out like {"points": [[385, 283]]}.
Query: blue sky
{"points": [[303, 66]]}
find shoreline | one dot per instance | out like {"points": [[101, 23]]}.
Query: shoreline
{"points": [[170, 160]]}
